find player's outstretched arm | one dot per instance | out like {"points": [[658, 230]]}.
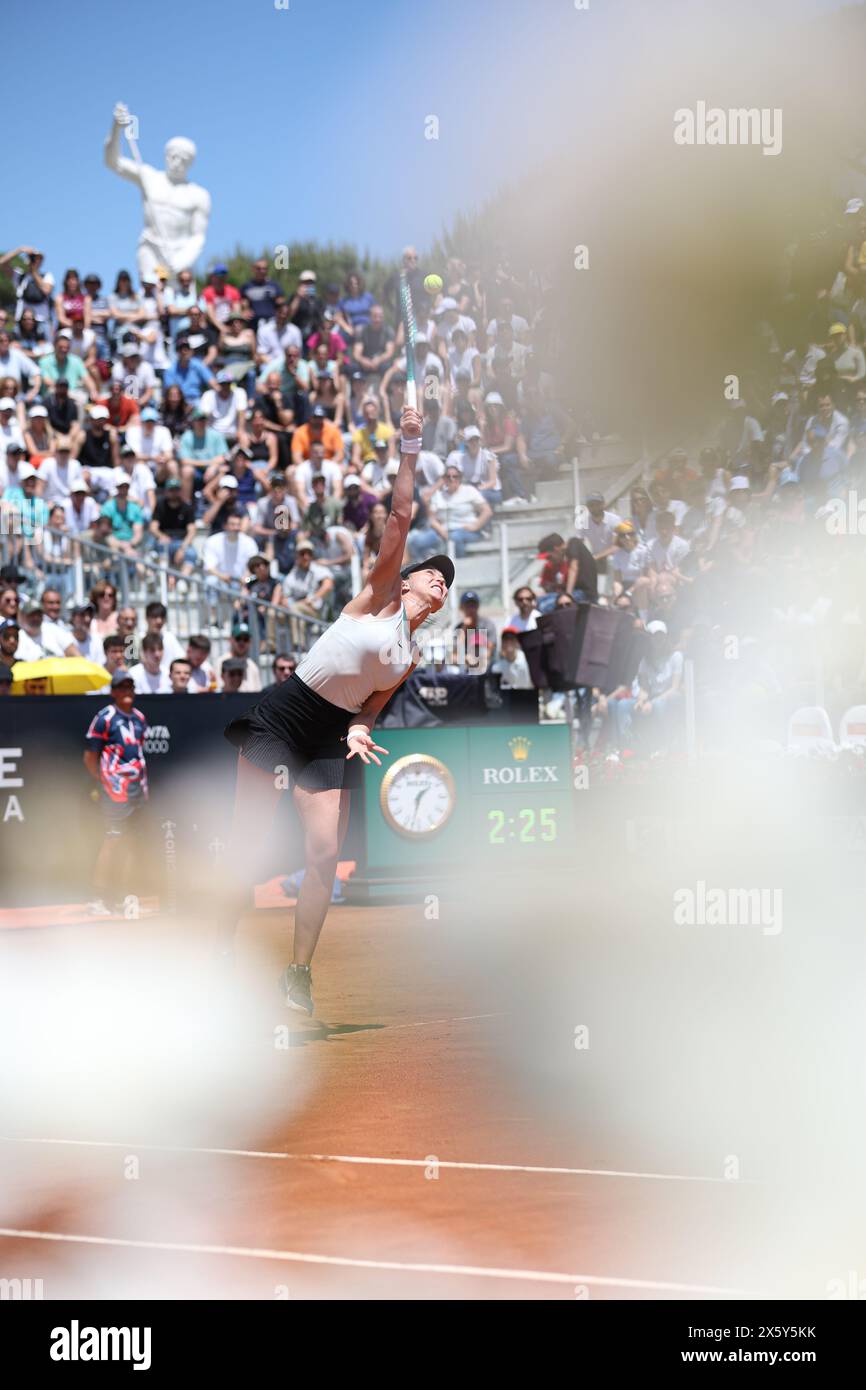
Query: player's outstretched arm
{"points": [[383, 584]]}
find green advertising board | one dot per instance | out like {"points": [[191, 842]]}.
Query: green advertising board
{"points": [[454, 797]]}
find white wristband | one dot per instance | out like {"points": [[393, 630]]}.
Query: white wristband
{"points": [[357, 729], [410, 446]]}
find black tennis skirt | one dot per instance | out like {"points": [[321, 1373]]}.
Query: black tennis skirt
{"points": [[292, 727]]}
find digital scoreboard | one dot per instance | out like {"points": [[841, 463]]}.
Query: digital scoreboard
{"points": [[454, 798]]}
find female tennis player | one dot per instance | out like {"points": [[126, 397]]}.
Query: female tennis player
{"points": [[318, 724]]}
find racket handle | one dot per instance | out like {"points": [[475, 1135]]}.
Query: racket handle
{"points": [[411, 395]]}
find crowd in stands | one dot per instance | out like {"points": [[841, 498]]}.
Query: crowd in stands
{"points": [[250, 436]]}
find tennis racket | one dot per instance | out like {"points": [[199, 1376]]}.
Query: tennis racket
{"points": [[409, 333]]}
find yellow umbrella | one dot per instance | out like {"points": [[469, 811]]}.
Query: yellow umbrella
{"points": [[66, 675]]}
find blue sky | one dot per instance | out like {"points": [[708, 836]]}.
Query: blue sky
{"points": [[309, 121]]}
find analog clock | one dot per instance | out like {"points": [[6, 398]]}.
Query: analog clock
{"points": [[417, 796]]}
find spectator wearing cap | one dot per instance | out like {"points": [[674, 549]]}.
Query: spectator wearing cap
{"points": [[305, 307], [374, 345], [10, 470], [848, 360], [446, 317], [172, 530], [375, 474], [152, 444], [371, 431], [276, 521], [10, 637], [150, 674], [219, 297], [10, 429], [650, 711], [239, 650], [225, 407], [38, 436], [232, 671], [33, 284], [63, 413], [318, 430], [358, 501], [33, 642], [305, 590], [15, 363], [596, 528], [125, 515], [476, 634], [79, 510], [262, 292], [277, 333], [142, 488], [85, 642], [99, 453], [480, 466], [203, 678], [458, 512], [201, 448], [499, 433], [187, 372], [511, 665], [237, 349], [221, 497], [135, 373]]}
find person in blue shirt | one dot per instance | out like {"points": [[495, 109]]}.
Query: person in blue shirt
{"points": [[114, 757], [126, 517], [189, 373]]}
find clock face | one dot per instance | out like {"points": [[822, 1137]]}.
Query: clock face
{"points": [[417, 796]]}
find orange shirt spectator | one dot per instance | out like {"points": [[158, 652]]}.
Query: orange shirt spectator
{"points": [[320, 430]]}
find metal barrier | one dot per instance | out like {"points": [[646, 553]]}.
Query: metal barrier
{"points": [[194, 602]]}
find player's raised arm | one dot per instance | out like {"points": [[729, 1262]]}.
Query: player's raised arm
{"points": [[385, 574]]}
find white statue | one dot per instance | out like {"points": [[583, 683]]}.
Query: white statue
{"points": [[175, 212]]}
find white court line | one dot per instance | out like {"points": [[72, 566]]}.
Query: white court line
{"points": [[298, 1257], [381, 1162]]}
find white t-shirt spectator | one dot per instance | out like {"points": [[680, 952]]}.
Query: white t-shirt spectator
{"points": [[146, 684], [461, 361], [229, 554], [58, 480], [224, 411], [79, 522], [136, 382], [514, 675], [272, 342], [428, 468], [18, 365], [598, 535], [304, 476], [629, 565], [149, 445], [91, 649], [457, 509], [668, 557]]}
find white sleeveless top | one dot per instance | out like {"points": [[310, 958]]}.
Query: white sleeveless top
{"points": [[356, 656]]}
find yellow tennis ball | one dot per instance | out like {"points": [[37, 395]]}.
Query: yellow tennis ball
{"points": [[433, 283]]}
